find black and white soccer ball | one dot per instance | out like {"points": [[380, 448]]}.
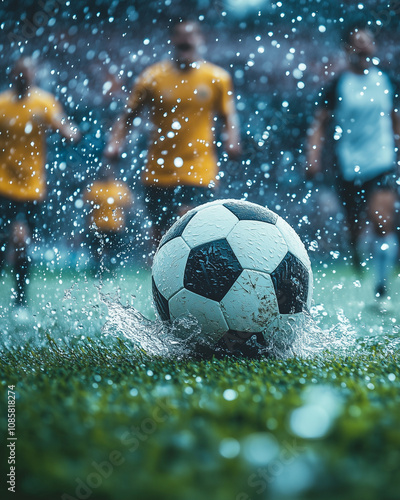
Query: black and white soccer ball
{"points": [[239, 269]]}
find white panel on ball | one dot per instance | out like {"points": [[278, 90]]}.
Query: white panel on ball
{"points": [[250, 305], [210, 224], [257, 245], [295, 245], [207, 312], [174, 254]]}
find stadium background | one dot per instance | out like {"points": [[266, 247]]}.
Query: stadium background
{"points": [[279, 54]]}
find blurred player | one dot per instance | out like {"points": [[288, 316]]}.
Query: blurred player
{"points": [[183, 96], [361, 104], [109, 200], [26, 113]]}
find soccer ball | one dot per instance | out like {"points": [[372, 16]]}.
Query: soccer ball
{"points": [[240, 270]]}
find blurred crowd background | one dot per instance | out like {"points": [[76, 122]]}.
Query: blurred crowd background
{"points": [[279, 53]]}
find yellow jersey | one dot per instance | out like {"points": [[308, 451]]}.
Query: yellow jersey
{"points": [[23, 123], [183, 105], [109, 200]]}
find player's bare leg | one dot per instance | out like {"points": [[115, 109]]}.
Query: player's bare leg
{"points": [[385, 246], [355, 225]]}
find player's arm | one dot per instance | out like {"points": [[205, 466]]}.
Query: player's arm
{"points": [[119, 131], [123, 124], [231, 134], [60, 122], [227, 112], [67, 128], [316, 137]]}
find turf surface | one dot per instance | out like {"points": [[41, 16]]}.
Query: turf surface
{"points": [[98, 418]]}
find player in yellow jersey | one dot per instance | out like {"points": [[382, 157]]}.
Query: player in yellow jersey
{"points": [[26, 113], [109, 202], [183, 96]]}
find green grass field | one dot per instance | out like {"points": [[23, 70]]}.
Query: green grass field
{"points": [[97, 417]]}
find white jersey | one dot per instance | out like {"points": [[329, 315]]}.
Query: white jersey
{"points": [[363, 124]]}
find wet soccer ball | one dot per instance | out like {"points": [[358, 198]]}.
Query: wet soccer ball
{"points": [[240, 270]]}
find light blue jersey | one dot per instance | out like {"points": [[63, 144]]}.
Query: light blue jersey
{"points": [[363, 124]]}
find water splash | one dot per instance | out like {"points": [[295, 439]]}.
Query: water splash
{"points": [[181, 337], [152, 337], [302, 337], [85, 310]]}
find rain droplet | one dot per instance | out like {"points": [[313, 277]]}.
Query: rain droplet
{"points": [[178, 162]]}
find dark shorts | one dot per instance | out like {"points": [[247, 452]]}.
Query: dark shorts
{"points": [[355, 196], [164, 205], [25, 212]]}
